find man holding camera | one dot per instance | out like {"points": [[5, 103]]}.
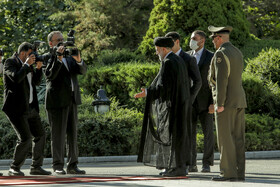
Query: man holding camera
{"points": [[62, 97], [22, 109]]}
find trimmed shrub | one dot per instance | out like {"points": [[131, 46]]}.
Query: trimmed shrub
{"points": [[262, 132], [261, 98], [185, 16], [266, 65], [122, 81], [109, 57], [114, 133], [252, 48]]}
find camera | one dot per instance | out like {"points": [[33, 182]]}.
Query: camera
{"points": [[41, 58], [69, 45], [1, 52]]}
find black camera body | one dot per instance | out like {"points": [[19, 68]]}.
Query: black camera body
{"points": [[69, 45]]}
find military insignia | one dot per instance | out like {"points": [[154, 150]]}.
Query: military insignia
{"points": [[219, 60]]}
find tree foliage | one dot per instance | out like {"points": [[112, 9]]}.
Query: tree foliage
{"points": [[26, 20], [264, 17], [109, 24], [185, 16]]}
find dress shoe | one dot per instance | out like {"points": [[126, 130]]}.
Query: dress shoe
{"points": [[59, 171], [75, 170], [1, 174], [220, 178], [15, 172], [193, 169], [205, 169], [39, 171], [177, 172]]}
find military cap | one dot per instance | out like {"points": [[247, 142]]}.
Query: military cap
{"points": [[219, 30], [163, 42]]}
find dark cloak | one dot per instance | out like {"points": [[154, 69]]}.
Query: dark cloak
{"points": [[164, 140]]}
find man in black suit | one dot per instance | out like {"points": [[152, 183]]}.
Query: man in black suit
{"points": [[194, 84], [62, 97], [202, 103], [21, 108], [163, 136]]}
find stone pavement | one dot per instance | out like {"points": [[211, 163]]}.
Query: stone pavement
{"points": [[259, 173]]}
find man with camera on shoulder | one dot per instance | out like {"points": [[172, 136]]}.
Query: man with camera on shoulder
{"points": [[22, 109], [62, 97]]}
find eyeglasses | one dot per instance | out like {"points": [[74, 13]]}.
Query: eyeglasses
{"points": [[59, 40]]}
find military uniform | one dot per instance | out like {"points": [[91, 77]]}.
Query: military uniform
{"points": [[225, 80]]}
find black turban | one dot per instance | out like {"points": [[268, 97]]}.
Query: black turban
{"points": [[164, 42]]}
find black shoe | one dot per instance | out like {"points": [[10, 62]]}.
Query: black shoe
{"points": [[15, 172], [193, 169], [75, 170], [1, 174], [220, 178], [39, 171], [205, 169], [177, 172], [59, 171]]}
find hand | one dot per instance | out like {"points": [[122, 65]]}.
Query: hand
{"points": [[31, 59], [220, 109], [39, 64], [60, 49], [141, 94], [78, 57], [211, 109]]}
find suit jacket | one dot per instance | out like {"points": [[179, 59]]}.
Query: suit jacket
{"points": [[16, 86], [204, 96], [193, 74], [58, 82], [225, 77]]}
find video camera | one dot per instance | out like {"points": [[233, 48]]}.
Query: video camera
{"points": [[69, 45]]}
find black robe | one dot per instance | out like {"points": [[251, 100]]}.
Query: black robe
{"points": [[164, 140]]}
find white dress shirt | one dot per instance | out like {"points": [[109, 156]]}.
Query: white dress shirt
{"points": [[198, 54]]}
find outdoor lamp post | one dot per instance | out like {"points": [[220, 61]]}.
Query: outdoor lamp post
{"points": [[102, 103]]}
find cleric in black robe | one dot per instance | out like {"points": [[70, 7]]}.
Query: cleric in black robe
{"points": [[163, 138]]}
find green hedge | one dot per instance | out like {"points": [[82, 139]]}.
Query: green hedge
{"points": [[118, 132], [262, 133], [122, 81], [114, 133], [252, 48], [262, 98], [266, 65]]}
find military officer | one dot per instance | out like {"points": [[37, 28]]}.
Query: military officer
{"points": [[229, 104]]}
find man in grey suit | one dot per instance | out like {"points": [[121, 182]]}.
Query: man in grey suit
{"points": [[62, 98], [194, 84], [201, 103]]}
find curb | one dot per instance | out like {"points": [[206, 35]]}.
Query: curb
{"points": [[133, 158]]}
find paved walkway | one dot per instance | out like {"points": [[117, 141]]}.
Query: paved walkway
{"points": [[259, 173]]}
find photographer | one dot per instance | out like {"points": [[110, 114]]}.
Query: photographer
{"points": [[22, 109], [62, 97]]}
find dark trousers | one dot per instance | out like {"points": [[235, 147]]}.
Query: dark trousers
{"points": [[29, 129], [63, 121], [206, 121]]}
